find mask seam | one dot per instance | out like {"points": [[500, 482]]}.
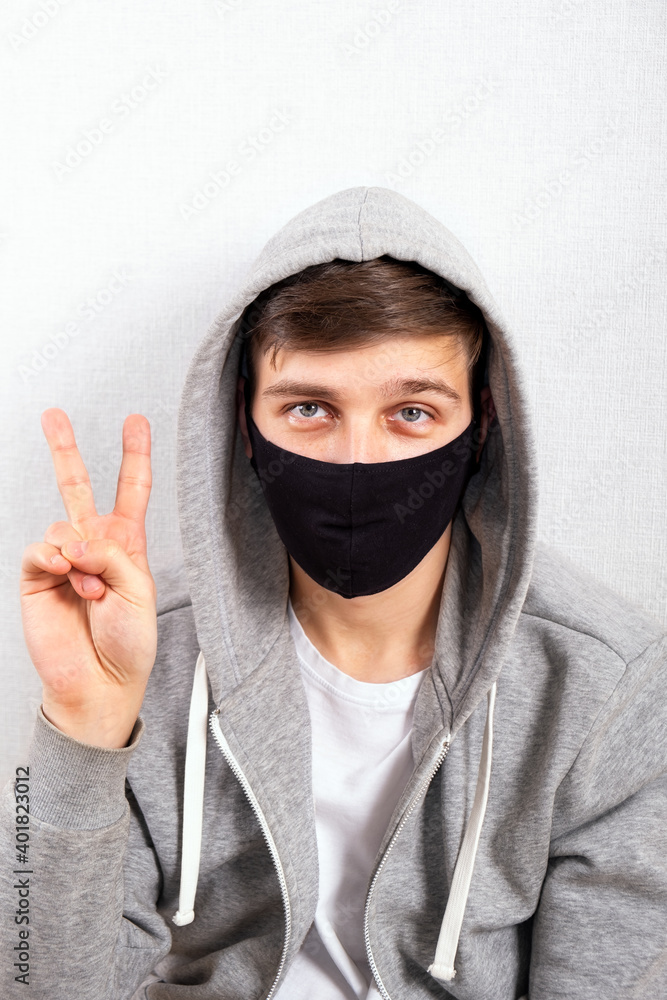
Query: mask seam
{"points": [[349, 548]]}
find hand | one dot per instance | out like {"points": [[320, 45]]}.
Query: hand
{"points": [[89, 618]]}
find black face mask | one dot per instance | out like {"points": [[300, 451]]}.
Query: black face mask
{"points": [[358, 529]]}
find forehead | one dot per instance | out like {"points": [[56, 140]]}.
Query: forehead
{"points": [[393, 355], [394, 367]]}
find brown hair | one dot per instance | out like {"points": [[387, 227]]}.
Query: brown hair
{"points": [[343, 304]]}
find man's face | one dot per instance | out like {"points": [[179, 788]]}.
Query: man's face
{"points": [[402, 397]]}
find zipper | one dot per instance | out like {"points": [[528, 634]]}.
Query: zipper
{"points": [[214, 723], [442, 753]]}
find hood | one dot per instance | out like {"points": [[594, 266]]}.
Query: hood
{"points": [[237, 567], [224, 519]]}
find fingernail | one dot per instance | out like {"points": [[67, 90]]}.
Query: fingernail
{"points": [[76, 548], [90, 583]]}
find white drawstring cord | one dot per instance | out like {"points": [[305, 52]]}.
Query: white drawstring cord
{"points": [[193, 795], [448, 941]]}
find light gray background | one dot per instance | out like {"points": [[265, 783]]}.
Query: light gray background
{"points": [[549, 166]]}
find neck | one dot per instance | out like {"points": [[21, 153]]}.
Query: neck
{"points": [[382, 637]]}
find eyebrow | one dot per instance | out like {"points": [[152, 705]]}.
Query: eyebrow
{"points": [[395, 387]]}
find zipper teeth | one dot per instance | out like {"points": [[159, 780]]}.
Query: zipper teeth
{"points": [[214, 724], [421, 791]]}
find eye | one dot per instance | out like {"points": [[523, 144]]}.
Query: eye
{"points": [[308, 409], [411, 415]]}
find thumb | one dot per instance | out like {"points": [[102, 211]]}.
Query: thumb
{"points": [[105, 558]]}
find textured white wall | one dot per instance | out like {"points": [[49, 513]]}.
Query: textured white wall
{"points": [[535, 132]]}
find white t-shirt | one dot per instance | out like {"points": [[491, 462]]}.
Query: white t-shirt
{"points": [[362, 760]]}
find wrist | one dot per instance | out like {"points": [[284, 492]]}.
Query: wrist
{"points": [[104, 727], [74, 784]]}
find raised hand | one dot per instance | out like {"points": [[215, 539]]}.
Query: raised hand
{"points": [[87, 594]]}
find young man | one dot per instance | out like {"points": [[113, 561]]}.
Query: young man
{"points": [[436, 760]]}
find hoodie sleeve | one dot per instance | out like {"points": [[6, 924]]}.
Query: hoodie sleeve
{"points": [[600, 926], [81, 911]]}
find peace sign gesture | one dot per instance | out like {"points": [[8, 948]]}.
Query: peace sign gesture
{"points": [[87, 594]]}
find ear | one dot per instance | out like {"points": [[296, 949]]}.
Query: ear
{"points": [[488, 414], [243, 426]]}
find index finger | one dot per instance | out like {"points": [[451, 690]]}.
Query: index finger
{"points": [[71, 473]]}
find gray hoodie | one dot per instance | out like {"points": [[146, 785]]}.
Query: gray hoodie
{"points": [[544, 849]]}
